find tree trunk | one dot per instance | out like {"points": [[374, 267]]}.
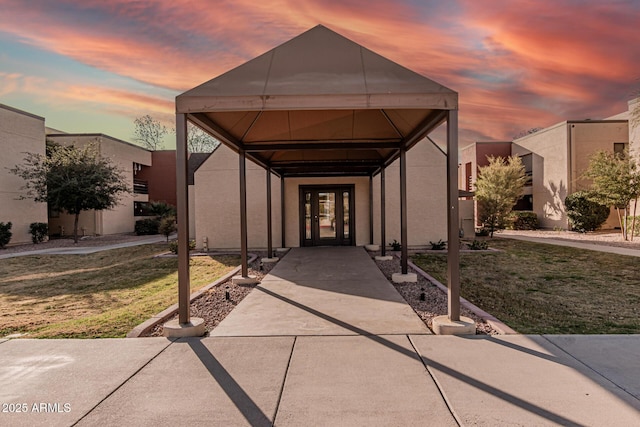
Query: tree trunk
{"points": [[620, 221], [75, 228], [625, 228], [633, 221]]}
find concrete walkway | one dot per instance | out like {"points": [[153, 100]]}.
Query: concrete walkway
{"points": [[323, 291], [83, 250], [572, 244], [323, 359]]}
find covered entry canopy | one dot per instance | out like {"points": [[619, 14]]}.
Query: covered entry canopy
{"points": [[318, 105]]}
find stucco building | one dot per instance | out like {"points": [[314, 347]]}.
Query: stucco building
{"points": [[20, 133], [129, 158], [556, 158]]}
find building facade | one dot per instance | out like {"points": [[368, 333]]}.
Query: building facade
{"points": [[20, 133]]}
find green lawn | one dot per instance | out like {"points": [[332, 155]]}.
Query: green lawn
{"points": [[545, 289], [104, 294]]}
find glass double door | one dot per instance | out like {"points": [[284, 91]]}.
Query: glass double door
{"points": [[326, 216]]}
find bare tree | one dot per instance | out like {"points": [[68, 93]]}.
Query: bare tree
{"points": [[149, 132], [198, 141]]}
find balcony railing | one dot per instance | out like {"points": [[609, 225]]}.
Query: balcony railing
{"points": [[140, 187]]}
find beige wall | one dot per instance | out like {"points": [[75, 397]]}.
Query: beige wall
{"points": [[550, 172], [113, 221], [20, 132], [426, 197], [634, 127], [216, 201], [560, 156]]}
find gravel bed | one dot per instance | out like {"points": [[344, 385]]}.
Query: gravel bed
{"points": [[213, 307], [435, 302]]}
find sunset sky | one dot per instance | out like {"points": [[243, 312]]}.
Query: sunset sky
{"points": [[96, 65]]}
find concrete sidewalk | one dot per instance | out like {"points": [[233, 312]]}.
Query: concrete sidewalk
{"points": [[83, 250], [322, 380], [578, 245]]}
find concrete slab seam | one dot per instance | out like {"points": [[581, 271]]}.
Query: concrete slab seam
{"points": [[124, 382], [437, 383], [590, 368], [284, 381], [164, 315], [495, 323]]}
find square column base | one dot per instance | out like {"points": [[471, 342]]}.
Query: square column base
{"points": [[274, 259], [372, 248], [240, 280], [384, 258], [442, 325], [404, 278], [175, 329]]}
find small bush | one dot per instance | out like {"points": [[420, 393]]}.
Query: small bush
{"points": [[482, 232], [39, 231], [523, 220], [173, 246], [167, 226], [583, 213], [163, 210], [5, 234], [478, 245], [438, 246], [147, 226], [395, 245]]}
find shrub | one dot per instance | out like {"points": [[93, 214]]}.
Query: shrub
{"points": [[173, 246], [523, 220], [167, 226], [482, 232], [39, 231], [162, 209], [395, 245], [5, 234], [147, 226], [583, 213], [478, 245], [438, 246]]}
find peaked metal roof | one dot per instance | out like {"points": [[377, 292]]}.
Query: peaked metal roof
{"points": [[319, 104]]}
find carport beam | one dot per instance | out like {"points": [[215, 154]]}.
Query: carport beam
{"points": [[383, 220], [183, 219], [453, 232], [269, 234], [243, 213], [403, 210]]}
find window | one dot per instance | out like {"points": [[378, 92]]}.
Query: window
{"points": [[468, 177], [619, 148], [527, 161], [142, 209]]}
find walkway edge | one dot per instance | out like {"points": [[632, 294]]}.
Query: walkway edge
{"points": [[165, 315], [495, 323]]}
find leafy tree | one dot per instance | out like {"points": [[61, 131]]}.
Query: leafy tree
{"points": [[72, 180], [198, 141], [499, 186], [583, 213], [168, 226], [149, 132], [615, 182]]}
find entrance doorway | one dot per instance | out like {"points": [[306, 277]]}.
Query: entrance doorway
{"points": [[327, 216]]}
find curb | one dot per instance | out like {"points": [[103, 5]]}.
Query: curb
{"points": [[495, 323], [165, 315]]}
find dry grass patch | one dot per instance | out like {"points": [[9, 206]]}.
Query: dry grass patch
{"points": [[104, 294], [545, 289]]}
